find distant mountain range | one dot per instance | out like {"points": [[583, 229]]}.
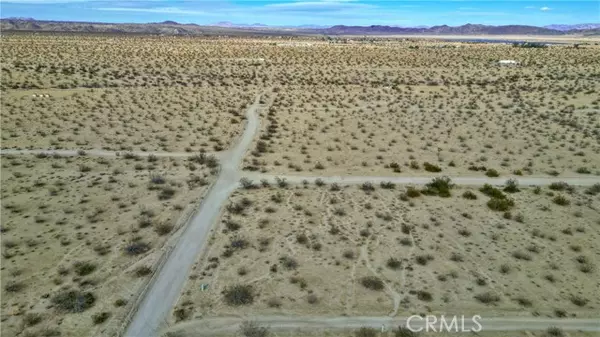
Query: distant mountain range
{"points": [[174, 28], [580, 26]]}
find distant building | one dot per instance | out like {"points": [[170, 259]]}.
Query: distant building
{"points": [[508, 62]]}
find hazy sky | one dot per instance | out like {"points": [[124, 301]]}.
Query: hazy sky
{"points": [[314, 12]]}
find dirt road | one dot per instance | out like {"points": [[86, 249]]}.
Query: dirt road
{"points": [[225, 325], [475, 181]]}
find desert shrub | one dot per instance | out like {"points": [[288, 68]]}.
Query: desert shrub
{"points": [[366, 332], [349, 254], [312, 299], [554, 332], [593, 190], [142, 271], [239, 294], [372, 283], [31, 319], [388, 185], [519, 255], [84, 268], [212, 161], [14, 286], [404, 332], [137, 248], [523, 301], [288, 263], [73, 301], [163, 228], [100, 317], [579, 301], [487, 298], [491, 191], [559, 186], [511, 186], [505, 268], [319, 182], [423, 259], [561, 200], [238, 242], [367, 187], [583, 170], [412, 192], [431, 167], [253, 329], [281, 182], [394, 263], [469, 195], [157, 179], [500, 205], [424, 296], [335, 187], [492, 173], [439, 186], [167, 192], [247, 183]]}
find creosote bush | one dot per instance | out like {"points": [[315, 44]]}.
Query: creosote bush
{"points": [[239, 294], [439, 186], [372, 283]]}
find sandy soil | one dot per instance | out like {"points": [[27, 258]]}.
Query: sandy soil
{"points": [[307, 251], [122, 119], [94, 225], [467, 118]]}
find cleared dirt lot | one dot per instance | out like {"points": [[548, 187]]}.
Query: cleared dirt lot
{"points": [[323, 251], [81, 235]]}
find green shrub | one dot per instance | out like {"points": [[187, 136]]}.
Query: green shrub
{"points": [[492, 173], [100, 317], [439, 186], [394, 263], [593, 190], [501, 205], [239, 294], [469, 195], [372, 283], [366, 332], [412, 192], [74, 301], [487, 298], [252, 329], [84, 268], [492, 192], [511, 186], [561, 200], [431, 167]]}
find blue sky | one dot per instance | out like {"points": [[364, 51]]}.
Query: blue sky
{"points": [[314, 12]]}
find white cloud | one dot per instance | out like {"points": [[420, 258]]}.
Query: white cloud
{"points": [[545, 9], [530, 7]]}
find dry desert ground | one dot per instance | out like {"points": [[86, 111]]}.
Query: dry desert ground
{"points": [[83, 234], [376, 250]]}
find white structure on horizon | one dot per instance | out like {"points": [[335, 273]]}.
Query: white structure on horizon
{"points": [[508, 62]]}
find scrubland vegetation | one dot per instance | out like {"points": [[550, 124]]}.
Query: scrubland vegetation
{"points": [[358, 250], [82, 235]]}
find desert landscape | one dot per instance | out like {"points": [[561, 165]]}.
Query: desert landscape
{"points": [[379, 250], [123, 154], [89, 230]]}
